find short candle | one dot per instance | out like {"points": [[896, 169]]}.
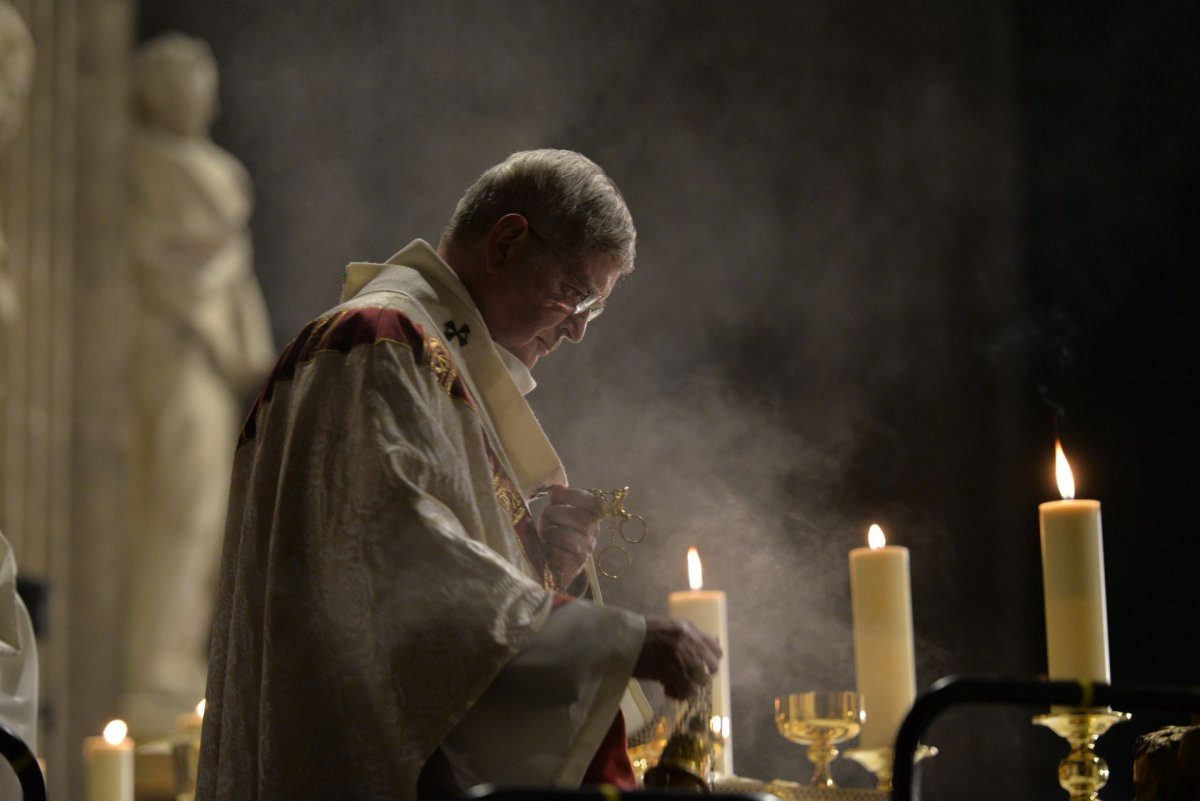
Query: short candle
{"points": [[109, 764]]}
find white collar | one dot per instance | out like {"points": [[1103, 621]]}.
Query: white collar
{"points": [[520, 374], [417, 254]]}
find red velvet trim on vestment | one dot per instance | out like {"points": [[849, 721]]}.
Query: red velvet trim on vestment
{"points": [[344, 331]]}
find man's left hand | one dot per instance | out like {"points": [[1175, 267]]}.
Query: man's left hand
{"points": [[568, 525]]}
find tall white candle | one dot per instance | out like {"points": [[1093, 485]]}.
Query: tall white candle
{"points": [[108, 760], [706, 609], [1073, 582], [881, 600]]}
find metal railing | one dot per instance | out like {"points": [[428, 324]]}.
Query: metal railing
{"points": [[24, 764], [1014, 691]]}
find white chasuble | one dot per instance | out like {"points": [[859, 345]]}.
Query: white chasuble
{"points": [[382, 584]]}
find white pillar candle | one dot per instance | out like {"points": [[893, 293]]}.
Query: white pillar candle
{"points": [[1073, 583], [706, 609], [881, 601], [108, 761]]}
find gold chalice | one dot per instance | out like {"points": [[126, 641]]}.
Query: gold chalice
{"points": [[820, 720]]}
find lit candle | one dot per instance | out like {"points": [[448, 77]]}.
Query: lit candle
{"points": [[1073, 582], [109, 763], [881, 601], [191, 722], [185, 751], [706, 610]]}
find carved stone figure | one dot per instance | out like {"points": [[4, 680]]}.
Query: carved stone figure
{"points": [[18, 650], [203, 343], [16, 70]]}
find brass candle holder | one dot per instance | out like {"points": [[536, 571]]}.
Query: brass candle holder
{"points": [[880, 761], [1082, 774]]}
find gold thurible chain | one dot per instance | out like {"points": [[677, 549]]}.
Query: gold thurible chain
{"points": [[614, 560]]}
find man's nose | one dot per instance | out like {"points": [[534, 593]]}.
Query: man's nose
{"points": [[575, 326]]}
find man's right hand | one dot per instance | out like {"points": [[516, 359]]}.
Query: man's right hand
{"points": [[678, 655]]}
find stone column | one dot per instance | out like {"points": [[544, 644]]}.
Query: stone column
{"points": [[63, 413]]}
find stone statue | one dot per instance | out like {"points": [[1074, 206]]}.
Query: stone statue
{"points": [[1166, 765], [203, 343], [18, 649], [16, 70]]}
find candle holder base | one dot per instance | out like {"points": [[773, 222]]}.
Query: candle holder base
{"points": [[880, 760], [1082, 774]]}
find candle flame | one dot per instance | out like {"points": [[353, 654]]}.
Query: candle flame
{"points": [[115, 731], [875, 537], [695, 574], [1066, 481], [200, 707]]}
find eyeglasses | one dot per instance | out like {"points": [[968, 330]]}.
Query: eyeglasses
{"points": [[580, 302], [587, 303]]}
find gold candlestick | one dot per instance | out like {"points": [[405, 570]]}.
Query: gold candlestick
{"points": [[1082, 773], [880, 760]]}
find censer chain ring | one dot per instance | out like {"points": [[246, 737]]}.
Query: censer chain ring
{"points": [[612, 507]]}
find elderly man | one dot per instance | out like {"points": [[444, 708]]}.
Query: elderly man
{"points": [[389, 615]]}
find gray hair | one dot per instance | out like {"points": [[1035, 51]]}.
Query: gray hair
{"points": [[567, 199]]}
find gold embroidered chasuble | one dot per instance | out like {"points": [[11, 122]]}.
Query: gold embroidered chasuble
{"points": [[381, 571]]}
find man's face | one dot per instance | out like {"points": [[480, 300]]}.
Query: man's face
{"points": [[543, 296]]}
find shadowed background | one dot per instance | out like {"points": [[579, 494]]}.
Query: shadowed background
{"points": [[881, 247]]}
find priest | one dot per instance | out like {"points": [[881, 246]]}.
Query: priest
{"points": [[390, 621]]}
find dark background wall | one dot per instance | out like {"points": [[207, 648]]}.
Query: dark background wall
{"points": [[882, 246]]}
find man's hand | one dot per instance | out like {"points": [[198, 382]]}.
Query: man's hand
{"points": [[568, 527], [678, 655]]}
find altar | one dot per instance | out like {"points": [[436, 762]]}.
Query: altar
{"points": [[794, 791]]}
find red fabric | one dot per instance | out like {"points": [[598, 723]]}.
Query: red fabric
{"points": [[611, 763], [345, 331]]}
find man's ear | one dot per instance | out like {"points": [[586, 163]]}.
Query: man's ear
{"points": [[506, 243]]}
